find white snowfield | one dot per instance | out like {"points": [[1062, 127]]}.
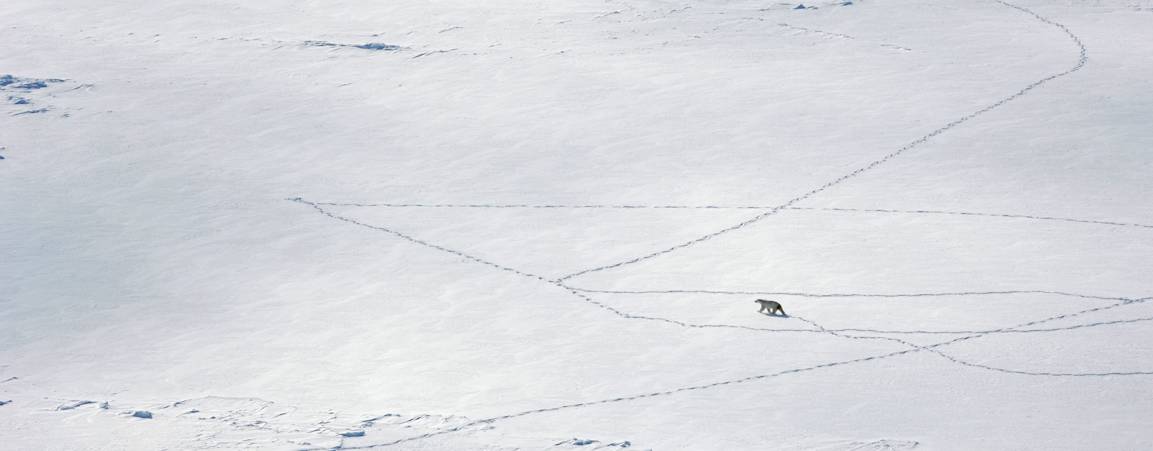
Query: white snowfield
{"points": [[542, 225]]}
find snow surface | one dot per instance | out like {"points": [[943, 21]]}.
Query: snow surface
{"points": [[515, 224]]}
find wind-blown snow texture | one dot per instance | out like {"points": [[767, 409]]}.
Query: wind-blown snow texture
{"points": [[541, 225]]}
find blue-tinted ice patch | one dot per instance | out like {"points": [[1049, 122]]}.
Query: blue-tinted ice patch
{"points": [[74, 404], [379, 46], [36, 111], [8, 81], [38, 84], [577, 442], [25, 91], [375, 46]]}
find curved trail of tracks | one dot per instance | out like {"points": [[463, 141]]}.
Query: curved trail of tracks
{"points": [[1081, 60], [581, 293], [910, 347]]}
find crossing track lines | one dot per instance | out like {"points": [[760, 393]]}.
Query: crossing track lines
{"points": [[911, 347], [1123, 300], [582, 293], [932, 348], [1082, 59]]}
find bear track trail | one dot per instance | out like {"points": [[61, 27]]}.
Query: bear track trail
{"points": [[771, 211]]}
